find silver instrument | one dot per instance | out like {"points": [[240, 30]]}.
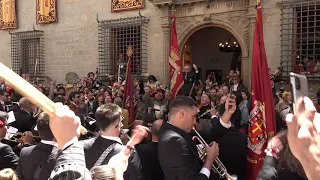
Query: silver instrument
{"points": [[207, 112], [217, 165]]}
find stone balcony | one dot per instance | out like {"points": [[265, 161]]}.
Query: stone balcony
{"points": [[161, 3]]}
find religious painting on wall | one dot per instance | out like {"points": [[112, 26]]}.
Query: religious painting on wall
{"points": [[122, 5], [8, 18], [46, 11]]}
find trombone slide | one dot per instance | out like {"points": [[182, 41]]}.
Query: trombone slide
{"points": [[29, 91]]}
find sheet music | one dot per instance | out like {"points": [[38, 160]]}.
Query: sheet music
{"points": [[10, 132], [11, 118]]}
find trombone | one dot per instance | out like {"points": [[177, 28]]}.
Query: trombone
{"points": [[217, 165]]}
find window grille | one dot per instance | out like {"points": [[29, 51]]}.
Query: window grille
{"points": [[300, 38], [115, 37], [27, 53]]}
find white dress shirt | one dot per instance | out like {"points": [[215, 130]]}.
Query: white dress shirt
{"points": [[52, 143], [112, 138]]}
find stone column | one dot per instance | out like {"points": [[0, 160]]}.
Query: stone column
{"points": [[249, 58], [166, 27]]}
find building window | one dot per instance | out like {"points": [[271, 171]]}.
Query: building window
{"points": [[27, 54], [115, 37], [300, 40]]}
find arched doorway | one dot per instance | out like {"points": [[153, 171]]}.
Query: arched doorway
{"points": [[214, 50]]}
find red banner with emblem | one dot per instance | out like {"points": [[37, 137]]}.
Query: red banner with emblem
{"points": [[262, 116], [176, 76], [128, 93]]}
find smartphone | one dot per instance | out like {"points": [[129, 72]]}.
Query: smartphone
{"points": [[299, 87]]}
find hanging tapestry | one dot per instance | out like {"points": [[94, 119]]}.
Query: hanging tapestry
{"points": [[122, 5], [46, 11], [8, 18]]}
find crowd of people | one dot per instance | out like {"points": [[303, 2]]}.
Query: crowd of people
{"points": [[160, 143]]}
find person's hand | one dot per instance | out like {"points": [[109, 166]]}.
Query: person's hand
{"points": [[138, 134], [213, 111], [212, 151], [195, 67], [27, 137], [64, 124], [304, 136], [230, 104], [230, 107], [275, 145]]}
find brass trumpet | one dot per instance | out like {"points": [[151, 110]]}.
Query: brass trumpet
{"points": [[217, 165]]}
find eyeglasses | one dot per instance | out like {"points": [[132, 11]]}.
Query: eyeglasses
{"points": [[120, 122]]}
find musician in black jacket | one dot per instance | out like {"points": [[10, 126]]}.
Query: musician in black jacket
{"points": [[37, 162], [190, 78], [98, 151], [3, 100], [24, 120], [8, 159], [178, 154]]}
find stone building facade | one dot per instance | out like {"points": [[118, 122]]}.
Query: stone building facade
{"points": [[72, 44]]}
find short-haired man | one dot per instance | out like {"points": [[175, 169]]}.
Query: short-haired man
{"points": [[37, 162], [74, 98], [24, 120], [148, 154], [8, 159], [178, 154], [98, 151], [190, 78], [3, 99]]}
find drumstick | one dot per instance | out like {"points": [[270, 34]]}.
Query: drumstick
{"points": [[29, 91]]}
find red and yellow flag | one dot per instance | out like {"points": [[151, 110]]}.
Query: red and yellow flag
{"points": [[262, 116], [176, 76]]}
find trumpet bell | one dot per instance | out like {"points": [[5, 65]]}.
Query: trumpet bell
{"points": [[217, 165]]}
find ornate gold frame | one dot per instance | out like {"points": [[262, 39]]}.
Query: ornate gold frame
{"points": [[123, 5], [9, 25], [51, 18]]}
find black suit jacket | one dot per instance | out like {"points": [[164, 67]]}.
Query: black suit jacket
{"points": [[93, 148], [8, 159], [178, 154], [24, 121], [189, 79], [36, 162], [232, 153], [148, 154]]}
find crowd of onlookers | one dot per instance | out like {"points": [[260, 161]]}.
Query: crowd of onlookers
{"points": [[94, 101]]}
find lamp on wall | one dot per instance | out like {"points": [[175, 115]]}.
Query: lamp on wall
{"points": [[229, 47]]}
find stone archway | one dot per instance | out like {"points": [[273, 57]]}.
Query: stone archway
{"points": [[237, 26]]}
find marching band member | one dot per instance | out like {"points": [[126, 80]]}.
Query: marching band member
{"points": [[37, 162], [178, 154], [8, 158]]}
